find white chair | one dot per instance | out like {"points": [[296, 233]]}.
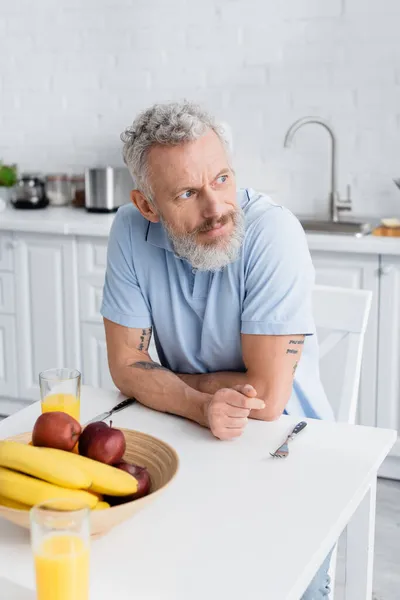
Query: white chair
{"points": [[341, 317]]}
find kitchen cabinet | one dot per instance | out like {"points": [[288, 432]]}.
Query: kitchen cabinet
{"points": [[6, 251], [92, 258], [8, 357], [388, 367], [356, 271], [8, 345], [7, 301], [92, 255], [95, 363], [46, 307]]}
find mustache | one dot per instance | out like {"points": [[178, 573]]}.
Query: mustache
{"points": [[209, 224]]}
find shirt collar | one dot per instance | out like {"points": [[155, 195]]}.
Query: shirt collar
{"points": [[157, 236]]}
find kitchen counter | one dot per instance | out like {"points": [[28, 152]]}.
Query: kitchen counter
{"points": [[64, 220], [369, 244], [76, 221]]}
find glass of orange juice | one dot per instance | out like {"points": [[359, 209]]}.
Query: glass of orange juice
{"points": [[60, 536], [60, 389]]}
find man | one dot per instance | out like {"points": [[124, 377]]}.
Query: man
{"points": [[221, 277]]}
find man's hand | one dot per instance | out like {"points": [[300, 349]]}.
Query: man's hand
{"points": [[228, 410]]}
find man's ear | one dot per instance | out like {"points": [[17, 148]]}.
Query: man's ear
{"points": [[144, 206]]}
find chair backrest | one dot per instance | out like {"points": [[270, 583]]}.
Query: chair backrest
{"points": [[341, 317]]}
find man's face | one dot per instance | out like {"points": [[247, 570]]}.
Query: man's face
{"points": [[194, 191]]}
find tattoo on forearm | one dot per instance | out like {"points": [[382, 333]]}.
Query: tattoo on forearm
{"points": [[144, 340], [299, 342], [290, 351], [295, 367], [148, 366]]}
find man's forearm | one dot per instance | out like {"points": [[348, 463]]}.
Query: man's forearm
{"points": [[210, 383], [160, 389]]}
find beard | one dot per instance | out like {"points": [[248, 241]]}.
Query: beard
{"points": [[217, 253]]}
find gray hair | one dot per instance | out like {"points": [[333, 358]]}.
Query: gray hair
{"points": [[165, 124]]}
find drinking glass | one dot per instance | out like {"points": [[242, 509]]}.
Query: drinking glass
{"points": [[60, 390], [60, 537]]}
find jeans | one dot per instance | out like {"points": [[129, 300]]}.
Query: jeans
{"points": [[319, 588]]}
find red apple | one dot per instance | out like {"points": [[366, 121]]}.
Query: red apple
{"points": [[87, 434], [144, 483], [56, 429], [102, 442]]}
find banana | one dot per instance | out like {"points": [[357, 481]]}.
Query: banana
{"points": [[28, 490], [13, 504], [101, 506], [105, 479], [99, 496], [29, 460]]}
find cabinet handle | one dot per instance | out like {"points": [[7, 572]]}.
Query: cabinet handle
{"points": [[386, 270]]}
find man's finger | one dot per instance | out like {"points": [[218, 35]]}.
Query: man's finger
{"points": [[236, 423], [240, 401], [228, 434], [235, 412], [246, 389]]}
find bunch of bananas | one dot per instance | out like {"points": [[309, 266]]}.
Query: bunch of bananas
{"points": [[31, 475]]}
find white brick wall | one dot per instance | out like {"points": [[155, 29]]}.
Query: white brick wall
{"points": [[74, 73]]}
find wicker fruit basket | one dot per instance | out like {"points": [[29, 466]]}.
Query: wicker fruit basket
{"points": [[161, 461]]}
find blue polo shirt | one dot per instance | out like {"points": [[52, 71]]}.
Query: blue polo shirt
{"points": [[197, 316]]}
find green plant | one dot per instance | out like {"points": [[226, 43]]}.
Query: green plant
{"points": [[8, 175]]}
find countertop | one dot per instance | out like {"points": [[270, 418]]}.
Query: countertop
{"points": [[77, 221], [64, 220]]}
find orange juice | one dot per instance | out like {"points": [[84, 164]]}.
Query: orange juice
{"points": [[63, 402], [62, 568]]}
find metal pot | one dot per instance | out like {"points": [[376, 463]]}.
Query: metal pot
{"points": [[107, 188]]}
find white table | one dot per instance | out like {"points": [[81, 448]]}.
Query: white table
{"points": [[235, 523]]}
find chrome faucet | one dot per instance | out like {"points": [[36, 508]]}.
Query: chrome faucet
{"points": [[336, 204]]}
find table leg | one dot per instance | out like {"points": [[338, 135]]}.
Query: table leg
{"points": [[360, 549]]}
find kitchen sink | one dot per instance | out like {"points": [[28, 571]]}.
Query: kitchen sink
{"points": [[341, 228]]}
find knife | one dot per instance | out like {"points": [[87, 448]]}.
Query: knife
{"points": [[117, 408]]}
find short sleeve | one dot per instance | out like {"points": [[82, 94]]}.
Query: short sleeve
{"points": [[123, 301], [279, 277]]}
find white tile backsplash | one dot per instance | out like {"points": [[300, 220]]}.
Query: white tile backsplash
{"points": [[76, 72]]}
